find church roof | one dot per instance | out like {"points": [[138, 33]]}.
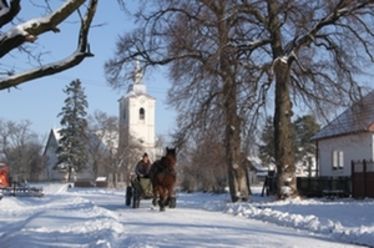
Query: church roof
{"points": [[358, 118], [137, 90]]}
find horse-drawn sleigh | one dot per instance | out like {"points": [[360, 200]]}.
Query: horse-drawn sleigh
{"points": [[159, 185]]}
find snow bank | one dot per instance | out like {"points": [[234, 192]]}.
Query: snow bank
{"points": [[345, 220], [59, 215]]}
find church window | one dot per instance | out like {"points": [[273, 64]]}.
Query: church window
{"points": [[141, 114]]}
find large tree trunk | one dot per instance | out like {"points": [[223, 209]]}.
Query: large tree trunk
{"points": [[283, 142], [237, 176], [286, 183]]}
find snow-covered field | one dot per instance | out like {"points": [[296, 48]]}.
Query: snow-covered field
{"points": [[98, 218]]}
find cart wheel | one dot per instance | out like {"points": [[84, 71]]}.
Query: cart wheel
{"points": [[128, 195], [135, 199]]}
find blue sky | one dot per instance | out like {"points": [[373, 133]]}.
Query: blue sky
{"points": [[41, 100]]}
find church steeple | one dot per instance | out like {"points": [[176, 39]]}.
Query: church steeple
{"points": [[137, 115], [138, 73], [137, 87]]}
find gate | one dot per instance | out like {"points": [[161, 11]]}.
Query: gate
{"points": [[362, 178]]}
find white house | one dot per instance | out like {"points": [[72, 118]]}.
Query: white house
{"points": [[348, 137], [50, 155], [53, 171]]}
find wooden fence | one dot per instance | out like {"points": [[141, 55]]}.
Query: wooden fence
{"points": [[324, 186], [362, 178]]}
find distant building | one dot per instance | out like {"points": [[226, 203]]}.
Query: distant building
{"points": [[50, 155], [257, 170], [53, 171], [348, 137], [307, 166], [136, 130], [137, 116]]}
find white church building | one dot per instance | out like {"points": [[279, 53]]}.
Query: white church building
{"points": [[137, 116], [136, 129]]}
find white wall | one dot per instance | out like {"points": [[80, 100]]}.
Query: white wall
{"points": [[52, 160], [354, 147], [142, 129], [130, 123]]}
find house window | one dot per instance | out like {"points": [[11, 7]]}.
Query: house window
{"points": [[141, 114], [337, 159]]}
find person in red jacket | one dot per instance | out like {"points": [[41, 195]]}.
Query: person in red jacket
{"points": [[4, 175]]}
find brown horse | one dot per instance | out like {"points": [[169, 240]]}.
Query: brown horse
{"points": [[163, 177]]}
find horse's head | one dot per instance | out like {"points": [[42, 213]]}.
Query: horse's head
{"points": [[171, 155]]}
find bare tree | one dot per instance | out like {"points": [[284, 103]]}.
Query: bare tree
{"points": [[21, 149], [208, 160], [316, 48], [129, 153], [226, 55], [103, 142], [28, 31], [194, 38]]}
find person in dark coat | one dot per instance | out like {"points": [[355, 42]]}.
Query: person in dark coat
{"points": [[143, 166]]}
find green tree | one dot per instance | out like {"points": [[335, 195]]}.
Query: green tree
{"points": [[266, 149], [72, 150], [305, 127]]}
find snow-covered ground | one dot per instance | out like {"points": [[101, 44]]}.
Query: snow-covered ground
{"points": [[98, 218]]}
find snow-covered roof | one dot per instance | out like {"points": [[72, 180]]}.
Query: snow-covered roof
{"points": [[56, 133], [109, 140], [257, 164], [358, 118]]}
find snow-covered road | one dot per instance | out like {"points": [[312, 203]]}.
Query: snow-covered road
{"points": [[98, 218]]}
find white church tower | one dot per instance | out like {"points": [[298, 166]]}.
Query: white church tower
{"points": [[137, 115]]}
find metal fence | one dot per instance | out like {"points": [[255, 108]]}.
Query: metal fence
{"points": [[324, 186]]}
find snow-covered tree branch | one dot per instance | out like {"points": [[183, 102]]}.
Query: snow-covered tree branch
{"points": [[8, 12], [30, 30]]}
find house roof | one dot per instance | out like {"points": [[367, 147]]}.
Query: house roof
{"points": [[56, 133], [257, 164], [107, 140], [53, 134], [358, 118]]}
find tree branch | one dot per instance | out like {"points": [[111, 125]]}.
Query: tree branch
{"points": [[29, 31], [8, 13], [82, 51], [341, 11]]}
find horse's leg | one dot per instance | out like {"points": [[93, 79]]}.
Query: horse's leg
{"points": [[155, 193], [170, 196], [169, 186], [167, 199], [162, 199]]}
